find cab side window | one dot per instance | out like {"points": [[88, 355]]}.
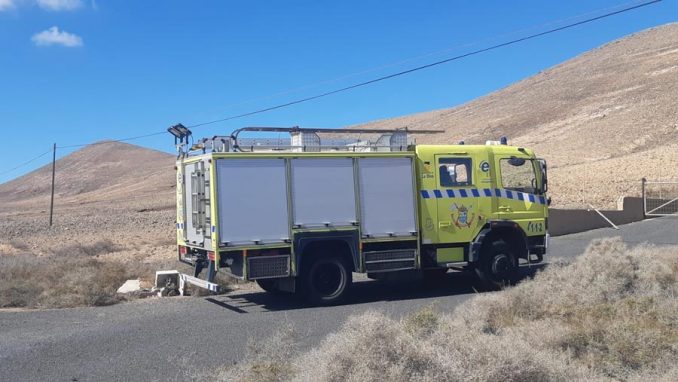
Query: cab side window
{"points": [[455, 172], [518, 174]]}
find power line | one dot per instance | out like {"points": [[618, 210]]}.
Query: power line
{"points": [[422, 67], [383, 78], [26, 162], [114, 140], [424, 55]]}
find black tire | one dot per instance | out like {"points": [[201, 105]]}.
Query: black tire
{"points": [[498, 266], [327, 281], [269, 285]]}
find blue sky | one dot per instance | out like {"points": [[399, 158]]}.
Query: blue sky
{"points": [[77, 71]]}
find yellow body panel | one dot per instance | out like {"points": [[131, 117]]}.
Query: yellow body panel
{"points": [[457, 214], [214, 213], [449, 214], [449, 255]]}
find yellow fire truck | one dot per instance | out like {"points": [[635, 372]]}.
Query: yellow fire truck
{"points": [[301, 213]]}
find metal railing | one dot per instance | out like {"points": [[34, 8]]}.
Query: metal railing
{"points": [[660, 198]]}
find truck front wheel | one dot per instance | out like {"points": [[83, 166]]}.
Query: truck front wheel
{"points": [[498, 266], [327, 281]]}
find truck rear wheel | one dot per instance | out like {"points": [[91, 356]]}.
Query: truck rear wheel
{"points": [[498, 266], [327, 281]]}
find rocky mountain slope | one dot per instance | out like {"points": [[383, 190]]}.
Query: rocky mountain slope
{"points": [[603, 120]]}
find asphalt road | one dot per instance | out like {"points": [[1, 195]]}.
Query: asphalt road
{"points": [[169, 339]]}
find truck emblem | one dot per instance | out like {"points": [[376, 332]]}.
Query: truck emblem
{"points": [[484, 166], [464, 217]]}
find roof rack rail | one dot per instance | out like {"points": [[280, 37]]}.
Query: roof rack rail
{"points": [[308, 139], [302, 140]]}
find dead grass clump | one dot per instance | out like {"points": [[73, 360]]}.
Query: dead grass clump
{"points": [[52, 282], [101, 247], [19, 245], [610, 315], [614, 310], [374, 347], [267, 361], [424, 321]]}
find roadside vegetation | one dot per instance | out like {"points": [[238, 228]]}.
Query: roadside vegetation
{"points": [[72, 275], [612, 314]]}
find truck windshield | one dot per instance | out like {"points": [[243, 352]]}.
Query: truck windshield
{"points": [[518, 174]]}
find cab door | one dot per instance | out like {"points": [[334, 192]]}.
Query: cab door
{"points": [[457, 201], [520, 196]]}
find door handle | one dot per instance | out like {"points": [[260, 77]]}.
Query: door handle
{"points": [[505, 209], [444, 224]]}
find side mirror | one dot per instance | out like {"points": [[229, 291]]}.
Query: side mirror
{"points": [[517, 162], [544, 176]]}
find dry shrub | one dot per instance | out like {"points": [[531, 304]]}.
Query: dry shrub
{"points": [[614, 310], [610, 315], [267, 361], [51, 282], [100, 247], [19, 245]]}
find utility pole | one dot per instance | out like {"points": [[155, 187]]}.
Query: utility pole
{"points": [[51, 203]]}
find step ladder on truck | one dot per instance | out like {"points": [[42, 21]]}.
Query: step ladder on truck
{"points": [[302, 214]]}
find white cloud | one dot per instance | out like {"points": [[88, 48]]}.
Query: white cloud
{"points": [[6, 4], [53, 36], [59, 5]]}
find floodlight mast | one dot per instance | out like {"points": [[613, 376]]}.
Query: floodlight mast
{"points": [[181, 134]]}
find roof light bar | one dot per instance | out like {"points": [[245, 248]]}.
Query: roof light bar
{"points": [[179, 131]]}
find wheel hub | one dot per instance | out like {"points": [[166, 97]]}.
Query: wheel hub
{"points": [[501, 265], [327, 279]]}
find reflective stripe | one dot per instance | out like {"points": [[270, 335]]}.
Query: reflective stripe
{"points": [[483, 192]]}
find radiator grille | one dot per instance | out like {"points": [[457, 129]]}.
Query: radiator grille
{"points": [[381, 261], [261, 267]]}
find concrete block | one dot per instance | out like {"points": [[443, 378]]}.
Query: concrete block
{"points": [[163, 277], [130, 286]]}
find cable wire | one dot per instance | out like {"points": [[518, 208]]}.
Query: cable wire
{"points": [[424, 55], [422, 67], [386, 77], [26, 162], [114, 140]]}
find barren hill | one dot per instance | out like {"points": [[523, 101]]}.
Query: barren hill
{"points": [[603, 120], [111, 196], [103, 172]]}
